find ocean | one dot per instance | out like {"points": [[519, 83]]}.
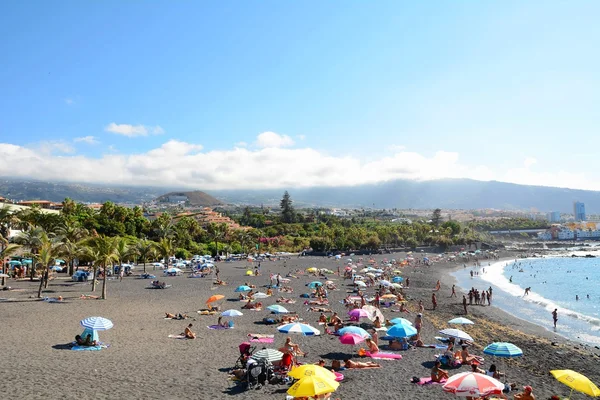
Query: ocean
{"points": [[555, 282]]}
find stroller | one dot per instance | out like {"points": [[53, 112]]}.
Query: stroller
{"points": [[259, 372], [246, 351]]}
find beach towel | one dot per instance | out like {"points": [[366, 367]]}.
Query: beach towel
{"points": [[218, 327], [380, 355], [177, 336], [338, 377], [90, 348], [427, 381], [435, 346]]}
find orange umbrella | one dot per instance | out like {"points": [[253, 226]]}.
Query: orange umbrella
{"points": [[214, 298]]}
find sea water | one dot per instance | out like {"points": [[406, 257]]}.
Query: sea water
{"points": [[555, 282]]}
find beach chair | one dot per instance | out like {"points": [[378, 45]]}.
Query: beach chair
{"points": [[258, 374]]}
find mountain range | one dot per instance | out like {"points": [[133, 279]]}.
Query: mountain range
{"points": [[402, 194]]}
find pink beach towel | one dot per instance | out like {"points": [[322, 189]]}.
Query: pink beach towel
{"points": [[428, 381], [380, 355], [177, 336], [261, 338]]}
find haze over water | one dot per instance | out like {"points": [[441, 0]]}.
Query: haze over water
{"points": [[554, 284]]}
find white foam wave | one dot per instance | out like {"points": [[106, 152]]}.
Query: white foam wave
{"points": [[495, 275]]}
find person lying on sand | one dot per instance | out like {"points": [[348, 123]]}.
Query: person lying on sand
{"points": [[437, 374], [88, 297], [288, 319], [320, 309], [220, 282], [79, 340], [285, 300], [349, 364], [188, 332]]}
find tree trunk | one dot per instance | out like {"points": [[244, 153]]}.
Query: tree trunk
{"points": [[71, 267], [45, 277], [104, 285], [95, 270], [144, 265], [39, 295], [32, 272]]}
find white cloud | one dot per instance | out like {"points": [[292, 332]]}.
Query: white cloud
{"points": [[133, 130], [273, 140], [86, 139], [396, 147], [529, 161], [178, 163]]}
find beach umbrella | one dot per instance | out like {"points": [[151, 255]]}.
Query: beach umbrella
{"points": [[249, 272], [401, 331], [214, 298], [388, 296], [461, 321], [269, 355], [502, 349], [384, 282], [360, 283], [231, 313], [56, 268], [311, 386], [457, 333], [299, 328], [397, 285], [173, 270], [576, 381], [397, 279], [473, 384], [4, 276], [397, 271], [401, 321], [14, 262], [314, 284], [311, 269], [370, 274], [310, 370], [277, 309], [358, 313], [28, 261], [242, 288], [260, 295], [355, 330], [351, 338], [96, 323], [374, 312]]}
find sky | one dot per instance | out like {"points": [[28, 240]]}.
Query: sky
{"points": [[284, 94]]}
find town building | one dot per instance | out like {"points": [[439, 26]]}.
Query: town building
{"points": [[46, 204], [553, 217], [579, 211]]}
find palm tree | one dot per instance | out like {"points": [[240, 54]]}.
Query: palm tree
{"points": [[6, 251], [71, 235], [71, 251], [164, 247], [46, 257], [217, 232], [104, 252], [31, 239], [144, 249]]}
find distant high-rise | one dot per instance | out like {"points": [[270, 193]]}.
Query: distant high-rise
{"points": [[579, 211], [554, 216]]}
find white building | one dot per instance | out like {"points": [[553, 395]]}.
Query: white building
{"points": [[545, 235], [566, 234]]}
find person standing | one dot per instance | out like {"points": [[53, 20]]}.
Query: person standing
{"points": [[465, 304], [453, 291], [555, 317], [121, 273], [433, 301]]}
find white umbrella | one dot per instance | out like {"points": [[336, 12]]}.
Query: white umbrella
{"points": [[231, 313], [384, 282], [260, 295], [461, 321], [268, 355], [360, 283], [4, 276], [373, 313], [457, 333], [300, 328], [96, 323]]}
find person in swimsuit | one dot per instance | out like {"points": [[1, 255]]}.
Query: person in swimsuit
{"points": [[438, 374], [349, 364], [188, 332], [555, 317]]}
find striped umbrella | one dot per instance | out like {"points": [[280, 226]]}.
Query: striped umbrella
{"points": [[355, 330], [277, 309], [269, 355], [96, 323], [299, 328], [473, 384], [502, 349]]}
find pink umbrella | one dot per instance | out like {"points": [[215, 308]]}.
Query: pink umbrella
{"points": [[358, 313], [473, 384], [351, 338]]}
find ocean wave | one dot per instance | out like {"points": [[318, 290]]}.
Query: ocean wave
{"points": [[495, 275]]}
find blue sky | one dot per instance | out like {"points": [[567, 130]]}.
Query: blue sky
{"points": [[230, 94]]}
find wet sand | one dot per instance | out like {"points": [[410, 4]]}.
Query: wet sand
{"points": [[143, 362]]}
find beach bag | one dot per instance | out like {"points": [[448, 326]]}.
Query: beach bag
{"points": [[305, 296], [362, 352]]}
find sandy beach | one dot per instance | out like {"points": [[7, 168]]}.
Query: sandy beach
{"points": [[143, 362]]}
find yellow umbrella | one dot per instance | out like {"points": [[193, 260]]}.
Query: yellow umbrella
{"points": [[576, 381], [214, 298], [311, 370], [388, 296], [312, 269], [249, 272], [397, 272], [311, 386]]}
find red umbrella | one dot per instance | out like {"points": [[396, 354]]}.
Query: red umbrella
{"points": [[473, 384], [351, 338]]}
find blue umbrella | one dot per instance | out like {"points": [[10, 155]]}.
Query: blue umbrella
{"points": [[397, 279], [56, 268], [231, 313], [401, 321], [276, 308], [14, 262], [296, 327], [243, 288], [26, 261], [96, 323], [503, 349], [355, 330], [314, 284], [401, 331]]}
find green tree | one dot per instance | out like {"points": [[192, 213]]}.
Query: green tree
{"points": [[6, 250], [287, 210], [164, 247], [217, 233], [104, 250], [31, 239], [144, 250], [436, 217], [46, 257]]}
